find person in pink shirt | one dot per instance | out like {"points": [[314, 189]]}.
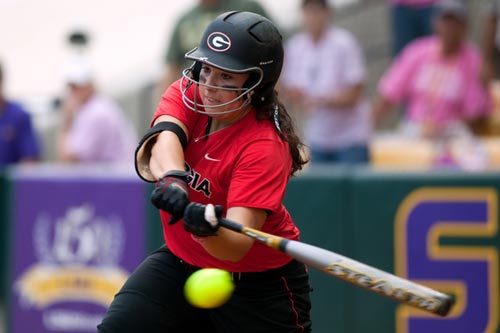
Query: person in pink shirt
{"points": [[437, 78], [411, 19]]}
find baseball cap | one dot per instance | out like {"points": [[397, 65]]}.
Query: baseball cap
{"points": [[77, 71], [453, 8]]}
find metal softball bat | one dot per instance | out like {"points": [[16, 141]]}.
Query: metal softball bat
{"points": [[352, 271]]}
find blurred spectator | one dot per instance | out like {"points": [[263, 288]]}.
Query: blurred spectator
{"points": [[491, 41], [18, 140], [93, 127], [324, 77], [188, 29], [437, 77], [411, 19]]}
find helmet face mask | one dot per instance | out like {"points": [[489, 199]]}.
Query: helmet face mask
{"points": [[191, 76], [237, 42]]}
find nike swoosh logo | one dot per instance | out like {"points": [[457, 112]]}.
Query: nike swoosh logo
{"points": [[211, 159]]}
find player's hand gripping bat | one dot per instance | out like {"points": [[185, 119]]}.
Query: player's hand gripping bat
{"points": [[352, 271]]}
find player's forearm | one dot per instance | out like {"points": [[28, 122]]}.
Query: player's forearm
{"points": [[166, 154], [228, 245]]}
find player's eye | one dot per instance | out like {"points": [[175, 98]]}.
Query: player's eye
{"points": [[205, 70], [204, 73]]}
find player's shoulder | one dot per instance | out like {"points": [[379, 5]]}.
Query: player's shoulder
{"points": [[261, 130], [171, 103], [258, 140]]}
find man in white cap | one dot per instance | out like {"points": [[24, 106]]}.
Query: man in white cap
{"points": [[94, 128]]}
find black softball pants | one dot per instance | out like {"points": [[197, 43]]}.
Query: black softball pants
{"points": [[152, 301]]}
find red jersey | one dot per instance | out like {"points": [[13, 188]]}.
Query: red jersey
{"points": [[244, 165]]}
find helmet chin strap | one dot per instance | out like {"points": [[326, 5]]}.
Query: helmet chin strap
{"points": [[192, 104]]}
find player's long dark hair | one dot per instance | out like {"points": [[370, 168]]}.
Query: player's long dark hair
{"points": [[286, 130]]}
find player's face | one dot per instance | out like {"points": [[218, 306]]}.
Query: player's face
{"points": [[215, 94]]}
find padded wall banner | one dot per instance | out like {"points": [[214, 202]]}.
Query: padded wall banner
{"points": [[74, 241], [428, 220], [440, 229]]}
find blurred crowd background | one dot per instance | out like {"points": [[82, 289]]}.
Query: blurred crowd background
{"points": [[398, 84], [50, 49]]}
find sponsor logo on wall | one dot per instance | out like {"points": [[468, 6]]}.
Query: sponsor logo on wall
{"points": [[77, 259]]}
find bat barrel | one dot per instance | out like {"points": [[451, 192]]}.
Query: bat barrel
{"points": [[352, 271], [371, 278]]}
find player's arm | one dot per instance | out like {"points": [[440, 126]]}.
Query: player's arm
{"points": [[161, 149], [226, 244], [159, 158], [167, 153]]}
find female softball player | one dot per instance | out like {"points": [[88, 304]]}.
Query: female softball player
{"points": [[221, 144]]}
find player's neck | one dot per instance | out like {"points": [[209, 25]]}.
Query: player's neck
{"points": [[221, 123]]}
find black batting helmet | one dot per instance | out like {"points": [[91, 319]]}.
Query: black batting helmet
{"points": [[241, 42]]}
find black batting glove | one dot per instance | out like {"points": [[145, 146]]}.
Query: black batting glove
{"points": [[202, 220], [171, 194]]}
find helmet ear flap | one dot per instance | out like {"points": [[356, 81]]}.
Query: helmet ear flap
{"points": [[252, 80], [264, 94]]}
